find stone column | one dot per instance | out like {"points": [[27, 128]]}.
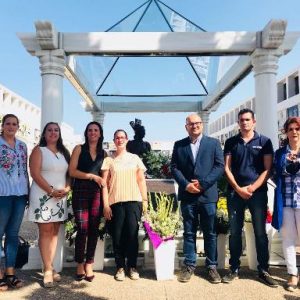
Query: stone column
{"points": [[52, 66], [265, 65], [204, 115], [98, 116]]}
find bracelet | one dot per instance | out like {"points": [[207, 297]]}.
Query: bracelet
{"points": [[145, 200], [91, 178], [51, 192]]}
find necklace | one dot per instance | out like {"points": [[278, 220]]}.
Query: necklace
{"points": [[54, 152]]}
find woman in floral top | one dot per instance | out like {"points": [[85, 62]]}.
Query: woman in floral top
{"points": [[13, 195]]}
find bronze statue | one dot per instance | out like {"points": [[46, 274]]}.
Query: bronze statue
{"points": [[137, 145]]}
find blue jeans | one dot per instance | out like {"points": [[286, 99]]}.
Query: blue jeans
{"points": [[11, 216], [257, 205], [190, 213]]}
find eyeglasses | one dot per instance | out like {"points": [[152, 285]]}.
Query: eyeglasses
{"points": [[292, 129], [194, 124]]}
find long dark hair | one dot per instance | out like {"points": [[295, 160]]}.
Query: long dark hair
{"points": [[5, 117], [99, 148], [60, 146]]}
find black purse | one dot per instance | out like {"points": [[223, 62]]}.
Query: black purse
{"points": [[22, 254]]}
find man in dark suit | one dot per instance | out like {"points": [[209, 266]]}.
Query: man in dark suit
{"points": [[197, 164]]}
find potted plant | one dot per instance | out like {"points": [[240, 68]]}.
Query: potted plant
{"points": [[162, 223], [222, 219], [222, 228], [158, 165]]}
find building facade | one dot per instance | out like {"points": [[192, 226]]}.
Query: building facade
{"points": [[30, 120], [288, 105]]}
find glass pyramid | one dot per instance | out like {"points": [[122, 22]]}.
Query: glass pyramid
{"points": [[133, 79]]}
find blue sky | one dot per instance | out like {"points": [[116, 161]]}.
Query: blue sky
{"points": [[20, 71]]}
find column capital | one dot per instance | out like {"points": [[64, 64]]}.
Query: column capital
{"points": [[265, 61], [46, 35], [52, 61]]}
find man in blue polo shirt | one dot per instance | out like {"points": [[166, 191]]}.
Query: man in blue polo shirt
{"points": [[248, 162]]}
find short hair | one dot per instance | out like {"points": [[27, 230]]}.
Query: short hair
{"points": [[120, 130], [245, 111], [290, 121]]}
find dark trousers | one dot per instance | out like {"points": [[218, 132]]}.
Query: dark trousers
{"points": [[125, 228], [257, 205], [190, 213], [86, 205]]}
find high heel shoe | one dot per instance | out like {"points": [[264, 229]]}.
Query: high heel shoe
{"points": [[89, 278], [80, 277]]}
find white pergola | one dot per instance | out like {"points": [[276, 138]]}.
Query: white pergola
{"points": [[259, 52]]}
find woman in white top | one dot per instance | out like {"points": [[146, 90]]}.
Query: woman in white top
{"points": [[48, 204], [123, 202], [13, 195]]}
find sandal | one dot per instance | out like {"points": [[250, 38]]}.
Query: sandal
{"points": [[13, 281], [56, 276], [48, 279], [290, 286], [3, 285]]}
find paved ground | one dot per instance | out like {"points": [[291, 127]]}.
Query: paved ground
{"points": [[104, 287]]}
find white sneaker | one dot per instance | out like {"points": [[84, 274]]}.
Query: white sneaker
{"points": [[133, 274], [120, 275]]}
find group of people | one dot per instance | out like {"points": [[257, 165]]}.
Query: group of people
{"points": [[115, 187], [111, 186], [248, 161]]}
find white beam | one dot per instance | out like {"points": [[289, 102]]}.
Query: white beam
{"points": [[159, 42], [232, 77], [141, 106]]}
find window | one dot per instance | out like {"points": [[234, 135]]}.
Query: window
{"points": [[284, 91], [296, 85], [292, 111]]}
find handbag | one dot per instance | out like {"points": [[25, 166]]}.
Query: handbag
{"points": [[22, 254]]}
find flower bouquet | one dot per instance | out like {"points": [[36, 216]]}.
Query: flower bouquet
{"points": [[222, 224], [162, 224]]}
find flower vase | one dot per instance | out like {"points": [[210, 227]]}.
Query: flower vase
{"points": [[99, 255], [164, 259], [221, 244]]}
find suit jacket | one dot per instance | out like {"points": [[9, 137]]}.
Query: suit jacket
{"points": [[207, 168]]}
